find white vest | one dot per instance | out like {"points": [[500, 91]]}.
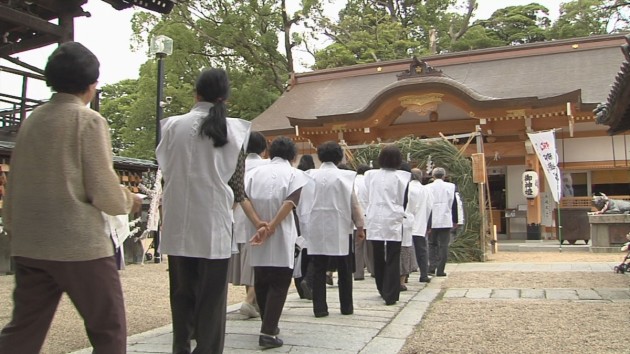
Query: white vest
{"points": [[443, 196], [243, 227], [420, 204], [268, 186], [197, 200], [385, 212], [325, 211]]}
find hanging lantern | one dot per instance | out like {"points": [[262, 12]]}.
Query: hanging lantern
{"points": [[530, 184]]}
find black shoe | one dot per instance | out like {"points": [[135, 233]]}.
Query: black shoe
{"points": [[267, 341], [403, 287], [329, 279], [357, 279], [321, 314], [431, 272], [425, 280], [306, 290], [347, 312], [391, 302], [440, 275]]}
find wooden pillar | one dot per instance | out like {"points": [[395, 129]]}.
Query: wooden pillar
{"points": [[534, 206]]}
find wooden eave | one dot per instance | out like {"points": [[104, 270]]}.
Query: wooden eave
{"points": [[615, 112]]}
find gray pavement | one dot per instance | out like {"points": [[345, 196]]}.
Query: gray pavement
{"points": [[375, 327]]}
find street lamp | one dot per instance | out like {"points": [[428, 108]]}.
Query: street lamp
{"points": [[160, 46]]}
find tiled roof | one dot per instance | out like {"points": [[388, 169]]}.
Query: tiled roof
{"points": [[615, 111], [537, 70]]}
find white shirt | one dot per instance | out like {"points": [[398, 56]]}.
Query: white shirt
{"points": [[325, 212], [443, 196], [420, 204], [243, 227], [197, 200], [385, 212], [268, 186]]}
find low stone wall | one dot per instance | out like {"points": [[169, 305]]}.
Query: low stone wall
{"points": [[608, 232]]}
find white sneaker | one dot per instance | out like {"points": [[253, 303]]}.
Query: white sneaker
{"points": [[249, 310]]}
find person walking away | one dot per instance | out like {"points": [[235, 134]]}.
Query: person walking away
{"points": [[62, 179], [420, 205], [384, 217], [202, 163], [304, 284], [329, 209], [273, 190], [362, 255], [407, 253], [240, 271], [443, 218]]}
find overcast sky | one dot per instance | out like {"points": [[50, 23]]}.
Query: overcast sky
{"points": [[107, 33]]}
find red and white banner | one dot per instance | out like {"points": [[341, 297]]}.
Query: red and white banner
{"points": [[545, 146]]}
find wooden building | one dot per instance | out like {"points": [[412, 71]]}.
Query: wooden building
{"points": [[501, 92]]}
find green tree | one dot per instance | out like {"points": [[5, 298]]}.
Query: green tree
{"points": [[583, 18], [518, 24]]}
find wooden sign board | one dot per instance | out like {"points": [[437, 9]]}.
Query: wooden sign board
{"points": [[478, 167]]}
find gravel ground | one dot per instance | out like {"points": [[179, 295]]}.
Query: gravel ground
{"points": [[450, 326], [460, 325]]}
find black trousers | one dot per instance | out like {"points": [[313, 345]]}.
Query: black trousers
{"points": [[438, 249], [198, 303], [387, 269], [95, 290], [307, 272], [344, 271], [421, 246], [271, 285]]}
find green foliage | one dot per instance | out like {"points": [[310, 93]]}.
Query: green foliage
{"points": [[467, 246], [581, 18], [518, 24]]}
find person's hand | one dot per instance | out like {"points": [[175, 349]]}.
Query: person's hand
{"points": [[137, 204], [261, 235], [360, 234]]}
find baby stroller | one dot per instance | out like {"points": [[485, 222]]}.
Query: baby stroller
{"points": [[624, 266]]}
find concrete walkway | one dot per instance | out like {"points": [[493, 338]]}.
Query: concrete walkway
{"points": [[374, 327]]}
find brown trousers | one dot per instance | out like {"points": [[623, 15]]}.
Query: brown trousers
{"points": [[95, 290]]}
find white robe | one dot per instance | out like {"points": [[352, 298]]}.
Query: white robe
{"points": [[268, 186], [325, 210], [443, 196], [243, 227], [385, 212], [420, 205], [197, 200]]}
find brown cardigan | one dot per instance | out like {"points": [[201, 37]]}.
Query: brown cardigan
{"points": [[61, 178]]}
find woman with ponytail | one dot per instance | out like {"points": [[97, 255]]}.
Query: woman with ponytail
{"points": [[202, 164]]}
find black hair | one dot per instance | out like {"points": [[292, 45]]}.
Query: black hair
{"points": [[306, 163], [213, 86], [343, 166], [361, 169], [71, 68], [390, 157], [330, 151], [283, 147], [257, 143]]}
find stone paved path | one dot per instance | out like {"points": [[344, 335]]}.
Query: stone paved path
{"points": [[374, 327]]}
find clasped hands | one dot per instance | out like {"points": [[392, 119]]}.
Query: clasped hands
{"points": [[263, 232]]}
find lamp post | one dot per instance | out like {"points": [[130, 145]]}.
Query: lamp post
{"points": [[160, 46]]}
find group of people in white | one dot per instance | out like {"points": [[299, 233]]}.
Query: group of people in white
{"points": [[213, 165]]}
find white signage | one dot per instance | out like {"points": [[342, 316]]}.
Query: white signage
{"points": [[545, 146]]}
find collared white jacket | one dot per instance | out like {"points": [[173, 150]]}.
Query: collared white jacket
{"points": [[443, 197], [243, 228], [325, 211], [385, 212], [268, 186], [197, 200]]}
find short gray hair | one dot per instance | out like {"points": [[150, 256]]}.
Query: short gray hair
{"points": [[438, 172]]}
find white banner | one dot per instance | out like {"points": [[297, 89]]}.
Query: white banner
{"points": [[545, 145]]}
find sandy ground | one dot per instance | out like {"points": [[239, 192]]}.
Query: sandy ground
{"points": [[450, 326], [526, 326]]}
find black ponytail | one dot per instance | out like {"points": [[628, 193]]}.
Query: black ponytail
{"points": [[214, 125], [213, 86]]}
